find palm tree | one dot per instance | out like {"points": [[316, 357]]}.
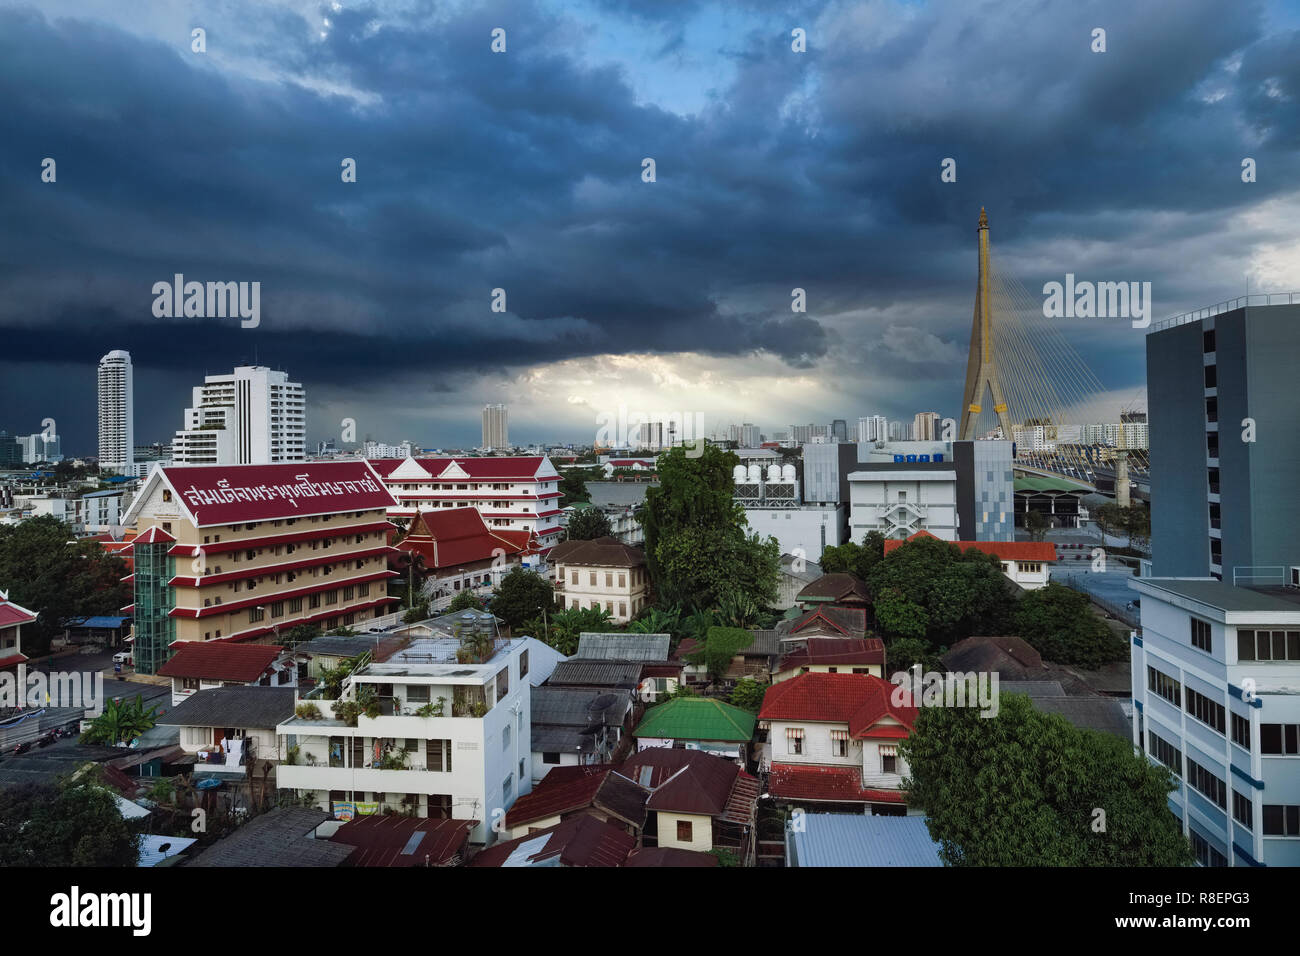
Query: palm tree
{"points": [[121, 722]]}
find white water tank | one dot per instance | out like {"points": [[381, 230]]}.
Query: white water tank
{"points": [[738, 474], [787, 472], [755, 473], [773, 472]]}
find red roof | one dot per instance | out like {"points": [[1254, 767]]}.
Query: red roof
{"points": [[448, 537], [11, 614], [825, 784], [235, 494], [693, 781], [12, 660], [558, 794], [391, 840], [518, 468], [155, 535], [581, 840], [835, 651], [859, 700], [1008, 550], [221, 661]]}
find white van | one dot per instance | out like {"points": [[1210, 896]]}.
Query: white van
{"points": [[122, 657]]}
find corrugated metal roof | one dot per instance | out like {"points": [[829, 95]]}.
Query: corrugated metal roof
{"points": [[597, 673], [845, 839], [623, 647]]}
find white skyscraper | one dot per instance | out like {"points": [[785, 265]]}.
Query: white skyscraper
{"points": [[116, 408], [496, 427], [255, 416], [875, 428]]}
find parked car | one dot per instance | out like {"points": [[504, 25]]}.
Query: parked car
{"points": [[123, 657]]}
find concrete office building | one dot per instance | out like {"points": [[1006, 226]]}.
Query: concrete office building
{"points": [[1224, 500], [1216, 670], [116, 412]]}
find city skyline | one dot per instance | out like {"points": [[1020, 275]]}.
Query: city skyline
{"points": [[755, 196]]}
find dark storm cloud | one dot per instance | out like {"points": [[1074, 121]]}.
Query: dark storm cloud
{"points": [[522, 171]]}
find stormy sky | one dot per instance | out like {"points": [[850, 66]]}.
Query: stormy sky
{"points": [[522, 171]]}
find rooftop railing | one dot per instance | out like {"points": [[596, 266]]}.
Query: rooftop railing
{"points": [[1242, 301]]}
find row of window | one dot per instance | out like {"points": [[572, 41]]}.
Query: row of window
{"points": [[638, 578], [1256, 645], [1205, 710], [1279, 739], [1165, 686], [252, 525], [1207, 783], [350, 593]]}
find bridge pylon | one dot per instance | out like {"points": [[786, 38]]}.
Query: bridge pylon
{"points": [[981, 368]]}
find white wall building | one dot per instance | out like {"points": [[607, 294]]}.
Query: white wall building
{"points": [[39, 447], [254, 416], [116, 411], [515, 493], [804, 530], [901, 502], [469, 760], [1216, 696]]}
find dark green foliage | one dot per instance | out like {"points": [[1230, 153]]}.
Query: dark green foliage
{"points": [[73, 824], [587, 524], [1023, 788], [697, 544], [522, 595], [855, 559], [748, 693], [465, 601], [121, 722], [46, 571], [721, 644], [1059, 623]]}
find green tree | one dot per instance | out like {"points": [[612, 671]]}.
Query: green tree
{"points": [[522, 595], [1059, 623], [655, 620], [1036, 525], [931, 589], [721, 644], [855, 559], [70, 824], [465, 601], [566, 626], [1023, 789], [697, 545], [573, 484], [46, 570], [587, 524], [301, 634], [121, 722], [902, 652], [748, 693]]}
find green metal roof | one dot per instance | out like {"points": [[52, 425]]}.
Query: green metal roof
{"points": [[1036, 483], [697, 718]]}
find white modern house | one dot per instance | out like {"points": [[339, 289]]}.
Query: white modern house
{"points": [[451, 739], [1216, 696]]}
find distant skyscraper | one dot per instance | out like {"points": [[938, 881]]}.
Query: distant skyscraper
{"points": [[873, 428], [749, 437], [254, 416], [496, 427], [924, 426], [116, 411], [840, 430]]}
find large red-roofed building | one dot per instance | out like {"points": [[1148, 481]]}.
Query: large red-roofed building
{"points": [[516, 493], [246, 552], [13, 617]]}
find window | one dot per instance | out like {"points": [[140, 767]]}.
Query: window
{"points": [[295, 605], [505, 737], [349, 593], [313, 601], [1205, 710], [550, 758], [437, 755], [839, 746], [277, 609], [440, 806], [593, 579], [1241, 731], [255, 614], [503, 684], [508, 785], [1207, 783], [523, 664], [684, 828], [1201, 635], [622, 609], [1211, 376], [167, 496], [1165, 752], [1165, 686], [622, 580], [1242, 810], [1279, 739], [1268, 645], [332, 597], [521, 770], [794, 738], [364, 589], [1208, 340], [888, 763], [189, 683], [1206, 855], [1281, 820]]}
